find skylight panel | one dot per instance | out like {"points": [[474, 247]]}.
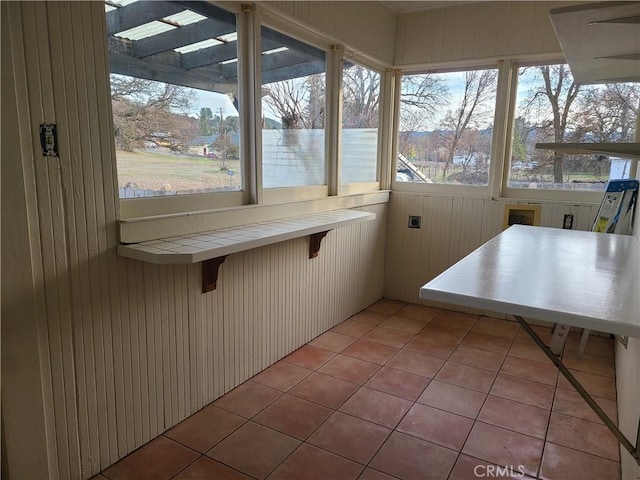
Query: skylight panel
{"points": [[198, 46], [275, 50], [229, 37], [144, 31], [110, 5], [122, 3], [185, 18]]}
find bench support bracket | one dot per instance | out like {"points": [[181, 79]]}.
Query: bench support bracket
{"points": [[210, 273], [314, 243]]}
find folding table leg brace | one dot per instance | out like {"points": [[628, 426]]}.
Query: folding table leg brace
{"points": [[634, 451]]}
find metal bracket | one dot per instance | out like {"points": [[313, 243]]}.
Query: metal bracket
{"points": [[210, 273], [634, 451], [314, 243]]}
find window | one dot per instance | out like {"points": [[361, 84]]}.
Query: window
{"points": [[360, 122], [446, 127], [173, 83], [551, 108], [293, 112]]}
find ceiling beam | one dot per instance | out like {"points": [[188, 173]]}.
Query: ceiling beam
{"points": [[294, 71], [217, 54], [208, 78], [281, 66], [181, 36], [138, 13], [286, 41], [288, 58]]}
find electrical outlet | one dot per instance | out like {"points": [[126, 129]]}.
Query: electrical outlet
{"points": [[567, 223], [415, 221], [49, 140]]}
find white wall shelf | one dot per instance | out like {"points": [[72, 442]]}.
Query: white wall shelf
{"points": [[625, 150], [211, 248]]}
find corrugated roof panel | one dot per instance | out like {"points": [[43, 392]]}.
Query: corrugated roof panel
{"points": [[229, 37], [122, 3], [275, 50], [185, 18], [144, 31], [197, 46]]}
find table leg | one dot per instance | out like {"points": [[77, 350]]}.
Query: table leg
{"points": [[583, 341], [634, 451], [558, 338]]}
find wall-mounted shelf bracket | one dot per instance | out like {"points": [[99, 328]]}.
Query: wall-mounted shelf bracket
{"points": [[210, 273], [314, 243], [214, 246]]}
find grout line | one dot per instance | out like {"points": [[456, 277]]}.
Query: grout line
{"points": [[475, 419], [393, 430]]}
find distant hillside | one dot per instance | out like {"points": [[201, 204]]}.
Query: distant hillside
{"points": [[271, 124]]}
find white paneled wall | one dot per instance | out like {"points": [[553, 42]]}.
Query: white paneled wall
{"points": [[628, 379], [452, 227], [476, 30], [113, 351], [368, 27], [628, 391]]}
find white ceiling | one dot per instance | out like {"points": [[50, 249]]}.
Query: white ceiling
{"points": [[400, 6], [591, 41]]}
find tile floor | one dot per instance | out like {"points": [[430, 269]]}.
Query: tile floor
{"points": [[401, 391]]}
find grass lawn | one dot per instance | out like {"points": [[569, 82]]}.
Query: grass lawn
{"points": [[154, 169]]}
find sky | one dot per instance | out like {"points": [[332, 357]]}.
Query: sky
{"points": [[214, 101]]}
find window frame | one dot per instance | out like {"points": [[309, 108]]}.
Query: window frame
{"points": [[482, 191], [363, 187], [306, 192], [536, 195], [249, 20], [130, 208]]}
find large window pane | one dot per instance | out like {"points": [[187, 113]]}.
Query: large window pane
{"points": [[446, 126], [551, 108], [360, 121], [173, 78], [293, 107]]}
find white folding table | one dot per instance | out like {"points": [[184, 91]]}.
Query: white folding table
{"points": [[581, 279]]}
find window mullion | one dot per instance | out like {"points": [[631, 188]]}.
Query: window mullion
{"points": [[249, 93], [503, 118], [388, 128], [333, 118], [395, 126]]}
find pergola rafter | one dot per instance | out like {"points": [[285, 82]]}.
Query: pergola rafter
{"points": [[154, 56]]}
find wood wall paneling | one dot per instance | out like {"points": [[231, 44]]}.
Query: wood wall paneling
{"points": [[125, 349], [452, 227]]}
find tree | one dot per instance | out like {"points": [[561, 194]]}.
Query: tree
{"points": [[227, 150], [552, 99], [461, 122], [142, 109], [315, 101], [289, 99], [206, 121], [607, 113], [421, 97], [361, 97], [518, 146]]}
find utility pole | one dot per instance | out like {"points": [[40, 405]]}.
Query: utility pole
{"points": [[220, 124]]}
